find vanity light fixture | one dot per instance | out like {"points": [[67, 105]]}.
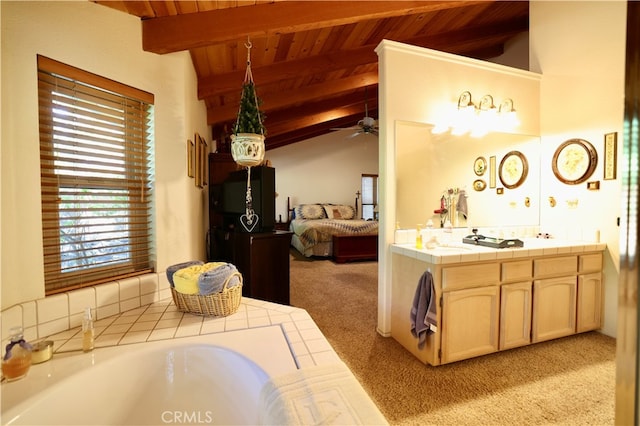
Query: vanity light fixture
{"points": [[480, 119]]}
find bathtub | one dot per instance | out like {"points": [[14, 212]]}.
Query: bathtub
{"points": [[207, 379]]}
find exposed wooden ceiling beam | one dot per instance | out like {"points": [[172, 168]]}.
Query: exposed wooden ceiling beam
{"points": [[275, 99], [188, 31], [319, 112], [230, 82], [302, 133], [226, 83]]}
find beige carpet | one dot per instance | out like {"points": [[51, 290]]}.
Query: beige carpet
{"points": [[569, 381]]}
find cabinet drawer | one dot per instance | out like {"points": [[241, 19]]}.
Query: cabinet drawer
{"points": [[555, 266], [590, 262], [516, 271], [469, 276]]}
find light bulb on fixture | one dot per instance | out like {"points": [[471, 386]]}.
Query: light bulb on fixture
{"points": [[465, 115], [510, 118], [486, 120]]}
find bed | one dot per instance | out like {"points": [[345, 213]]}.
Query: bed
{"points": [[332, 230]]}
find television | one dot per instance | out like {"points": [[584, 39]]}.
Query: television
{"points": [[263, 195]]}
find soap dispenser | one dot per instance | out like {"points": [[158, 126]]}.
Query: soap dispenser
{"points": [[418, 237], [87, 331], [17, 358]]}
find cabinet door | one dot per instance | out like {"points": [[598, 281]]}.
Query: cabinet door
{"points": [[515, 315], [470, 323], [554, 308], [589, 302]]}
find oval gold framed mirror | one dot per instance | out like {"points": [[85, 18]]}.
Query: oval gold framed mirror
{"points": [[513, 169], [480, 166], [574, 161]]}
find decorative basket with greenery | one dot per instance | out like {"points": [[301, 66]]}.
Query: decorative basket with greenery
{"points": [[247, 140]]}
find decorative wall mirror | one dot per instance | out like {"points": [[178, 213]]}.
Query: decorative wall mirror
{"points": [[574, 161], [480, 166], [513, 169], [427, 164]]}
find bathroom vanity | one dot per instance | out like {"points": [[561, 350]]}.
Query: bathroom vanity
{"points": [[488, 300]]}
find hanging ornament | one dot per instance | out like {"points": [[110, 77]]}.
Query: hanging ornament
{"points": [[249, 219], [247, 140]]}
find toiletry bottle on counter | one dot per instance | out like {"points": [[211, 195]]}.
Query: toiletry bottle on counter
{"points": [[17, 358], [87, 331], [418, 237]]}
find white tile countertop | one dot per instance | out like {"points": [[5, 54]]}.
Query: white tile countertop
{"points": [[457, 252], [162, 320]]}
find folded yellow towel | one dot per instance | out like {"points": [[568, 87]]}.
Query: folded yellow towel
{"points": [[185, 280]]}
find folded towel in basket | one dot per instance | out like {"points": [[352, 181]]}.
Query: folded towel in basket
{"points": [[325, 394], [185, 280], [214, 275], [173, 268]]}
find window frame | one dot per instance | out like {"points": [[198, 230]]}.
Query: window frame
{"points": [[374, 201], [79, 182]]}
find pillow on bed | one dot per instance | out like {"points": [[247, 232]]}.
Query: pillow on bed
{"points": [[339, 211], [309, 211]]}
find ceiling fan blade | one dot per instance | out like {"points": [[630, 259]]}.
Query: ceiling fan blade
{"points": [[347, 128]]}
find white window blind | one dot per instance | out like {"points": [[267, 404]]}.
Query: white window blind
{"points": [[97, 177], [369, 196]]}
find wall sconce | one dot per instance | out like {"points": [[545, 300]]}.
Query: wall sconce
{"points": [[480, 119]]}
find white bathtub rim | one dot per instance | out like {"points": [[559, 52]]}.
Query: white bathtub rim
{"points": [[250, 343]]}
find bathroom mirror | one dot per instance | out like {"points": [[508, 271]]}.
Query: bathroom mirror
{"points": [[429, 165]]}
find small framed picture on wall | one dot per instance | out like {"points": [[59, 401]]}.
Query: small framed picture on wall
{"points": [[610, 155]]}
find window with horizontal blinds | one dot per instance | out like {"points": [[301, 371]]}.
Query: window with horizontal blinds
{"points": [[369, 196], [97, 177]]}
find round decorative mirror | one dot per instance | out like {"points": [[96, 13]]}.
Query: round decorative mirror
{"points": [[513, 169], [574, 161]]}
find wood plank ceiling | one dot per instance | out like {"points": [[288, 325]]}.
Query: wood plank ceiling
{"points": [[313, 62]]}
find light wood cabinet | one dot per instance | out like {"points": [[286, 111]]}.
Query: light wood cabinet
{"points": [[554, 308], [470, 322], [589, 302], [485, 306], [515, 315]]}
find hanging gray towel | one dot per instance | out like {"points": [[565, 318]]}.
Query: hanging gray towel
{"points": [[462, 204], [423, 311]]}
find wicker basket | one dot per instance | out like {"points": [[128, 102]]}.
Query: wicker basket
{"points": [[224, 303]]}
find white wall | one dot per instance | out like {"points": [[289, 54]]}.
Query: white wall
{"points": [[324, 169], [516, 52], [579, 48], [418, 84], [106, 42]]}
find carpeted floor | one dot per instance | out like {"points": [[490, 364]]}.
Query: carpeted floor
{"points": [[568, 381]]}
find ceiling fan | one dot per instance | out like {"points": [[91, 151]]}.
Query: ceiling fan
{"points": [[367, 125]]}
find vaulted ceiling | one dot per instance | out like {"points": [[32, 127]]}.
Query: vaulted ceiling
{"points": [[313, 62]]}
